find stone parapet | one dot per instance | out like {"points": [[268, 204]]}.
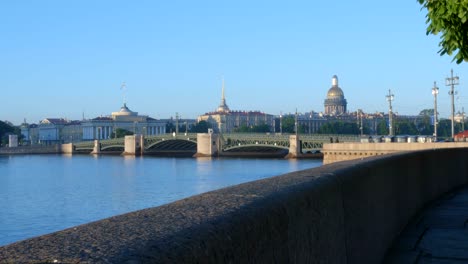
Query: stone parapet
{"points": [[350, 151], [347, 212], [52, 149]]}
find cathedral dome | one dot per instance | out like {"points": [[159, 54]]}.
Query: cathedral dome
{"points": [[335, 104], [335, 92]]}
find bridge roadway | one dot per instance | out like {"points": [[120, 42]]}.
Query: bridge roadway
{"points": [[345, 212], [230, 142]]}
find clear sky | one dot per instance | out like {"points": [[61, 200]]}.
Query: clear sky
{"points": [[66, 58]]}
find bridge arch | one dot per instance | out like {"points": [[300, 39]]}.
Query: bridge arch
{"points": [[172, 144], [255, 148], [344, 212], [113, 148]]}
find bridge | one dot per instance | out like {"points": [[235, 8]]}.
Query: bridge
{"points": [[345, 212], [229, 143]]}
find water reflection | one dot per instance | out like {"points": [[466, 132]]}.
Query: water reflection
{"points": [[44, 193]]}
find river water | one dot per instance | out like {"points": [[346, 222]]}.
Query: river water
{"points": [[40, 194]]}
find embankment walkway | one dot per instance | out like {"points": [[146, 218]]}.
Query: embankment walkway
{"points": [[345, 212], [438, 234]]}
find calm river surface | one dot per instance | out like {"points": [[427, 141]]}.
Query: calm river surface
{"points": [[40, 194]]}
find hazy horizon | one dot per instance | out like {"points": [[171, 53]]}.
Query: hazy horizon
{"points": [[66, 59]]}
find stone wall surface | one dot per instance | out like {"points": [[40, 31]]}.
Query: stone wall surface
{"points": [[52, 149], [350, 151], [347, 212]]}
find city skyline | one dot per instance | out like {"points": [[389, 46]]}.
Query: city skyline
{"points": [[64, 59]]}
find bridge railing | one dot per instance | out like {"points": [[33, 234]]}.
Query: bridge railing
{"points": [[309, 137], [347, 212], [309, 142], [84, 145]]}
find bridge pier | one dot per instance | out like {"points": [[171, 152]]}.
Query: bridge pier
{"points": [[67, 148], [134, 145], [208, 144], [97, 147], [294, 147], [12, 141]]}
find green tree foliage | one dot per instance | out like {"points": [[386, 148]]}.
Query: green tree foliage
{"points": [[7, 128], [424, 125], [405, 127], [444, 128], [262, 128], [170, 127], [288, 124], [339, 127], [382, 127], [449, 17], [200, 127], [121, 133], [426, 112]]}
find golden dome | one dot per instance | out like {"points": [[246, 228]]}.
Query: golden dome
{"points": [[335, 92]]}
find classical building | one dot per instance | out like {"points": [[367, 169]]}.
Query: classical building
{"points": [[311, 122], [30, 133], [104, 127], [225, 120], [335, 104], [51, 131], [60, 130]]}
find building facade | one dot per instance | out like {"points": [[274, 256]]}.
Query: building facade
{"points": [[225, 120], [51, 131], [106, 127]]}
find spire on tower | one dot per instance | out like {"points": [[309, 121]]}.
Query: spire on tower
{"points": [[223, 106], [222, 93]]}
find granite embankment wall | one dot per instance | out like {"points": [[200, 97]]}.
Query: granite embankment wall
{"points": [[52, 149], [39, 149], [335, 152], [346, 212]]}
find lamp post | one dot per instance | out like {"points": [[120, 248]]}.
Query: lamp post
{"points": [[310, 117], [295, 123], [463, 119], [281, 124], [177, 123], [390, 98], [452, 81], [435, 91], [360, 121]]}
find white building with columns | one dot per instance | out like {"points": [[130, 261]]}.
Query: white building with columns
{"points": [[104, 127], [225, 120]]}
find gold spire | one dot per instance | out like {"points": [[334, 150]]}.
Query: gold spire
{"points": [[223, 106]]}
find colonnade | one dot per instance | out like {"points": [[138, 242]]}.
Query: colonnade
{"points": [[105, 132]]}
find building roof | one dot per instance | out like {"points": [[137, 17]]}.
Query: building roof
{"points": [[462, 134], [55, 121], [124, 111], [231, 112], [102, 118]]}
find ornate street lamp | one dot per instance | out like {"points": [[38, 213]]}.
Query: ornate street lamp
{"points": [[281, 124], [452, 81], [435, 91], [390, 98]]}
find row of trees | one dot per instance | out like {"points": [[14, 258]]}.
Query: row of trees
{"points": [[7, 128]]}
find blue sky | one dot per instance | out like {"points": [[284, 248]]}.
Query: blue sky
{"points": [[66, 58]]}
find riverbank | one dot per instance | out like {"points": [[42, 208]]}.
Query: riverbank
{"points": [[59, 149], [40, 149]]}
